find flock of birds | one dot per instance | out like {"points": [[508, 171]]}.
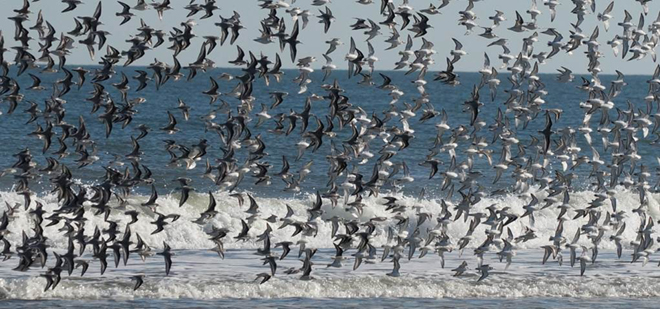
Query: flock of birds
{"points": [[375, 140]]}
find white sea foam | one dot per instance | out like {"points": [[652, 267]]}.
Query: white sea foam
{"points": [[420, 279], [200, 274], [184, 234]]}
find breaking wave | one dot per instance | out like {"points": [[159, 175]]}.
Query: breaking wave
{"points": [[184, 234]]}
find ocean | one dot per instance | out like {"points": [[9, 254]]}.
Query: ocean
{"points": [[201, 279]]}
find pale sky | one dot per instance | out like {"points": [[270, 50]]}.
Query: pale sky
{"points": [[445, 27]]}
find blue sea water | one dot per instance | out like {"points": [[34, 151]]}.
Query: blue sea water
{"points": [[153, 113]]}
